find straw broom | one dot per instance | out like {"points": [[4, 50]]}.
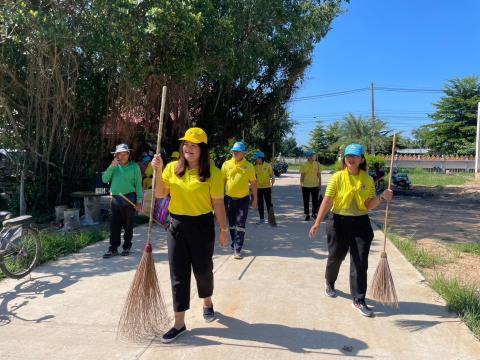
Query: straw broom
{"points": [[144, 313], [383, 287], [271, 214]]}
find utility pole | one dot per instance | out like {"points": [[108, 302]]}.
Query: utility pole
{"points": [[372, 90], [477, 147], [373, 100]]}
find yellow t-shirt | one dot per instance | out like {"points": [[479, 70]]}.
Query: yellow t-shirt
{"points": [[349, 192], [263, 173], [190, 196], [237, 177], [147, 181], [310, 170]]}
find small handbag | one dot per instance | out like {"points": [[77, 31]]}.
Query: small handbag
{"points": [[160, 211]]}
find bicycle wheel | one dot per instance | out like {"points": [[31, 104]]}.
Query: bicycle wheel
{"points": [[20, 253]]}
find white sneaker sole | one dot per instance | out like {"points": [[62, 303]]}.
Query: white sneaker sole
{"points": [[168, 341]]}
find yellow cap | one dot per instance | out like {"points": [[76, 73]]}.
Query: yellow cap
{"points": [[195, 135], [175, 155]]}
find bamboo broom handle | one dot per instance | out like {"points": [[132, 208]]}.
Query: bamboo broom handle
{"points": [[159, 140], [389, 185], [143, 212]]}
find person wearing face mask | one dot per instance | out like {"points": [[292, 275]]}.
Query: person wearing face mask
{"points": [[238, 175], [125, 178], [350, 195], [196, 190]]}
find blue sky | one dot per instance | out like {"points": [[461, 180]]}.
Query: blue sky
{"points": [[394, 43]]}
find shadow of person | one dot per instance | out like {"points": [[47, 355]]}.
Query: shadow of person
{"points": [[274, 336]]}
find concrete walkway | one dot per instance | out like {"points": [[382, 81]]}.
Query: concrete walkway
{"points": [[270, 305]]}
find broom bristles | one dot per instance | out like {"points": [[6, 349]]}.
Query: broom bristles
{"points": [[271, 217], [383, 288], [144, 313]]}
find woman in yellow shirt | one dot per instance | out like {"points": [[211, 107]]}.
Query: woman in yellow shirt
{"points": [[350, 194], [265, 181], [196, 189], [310, 183]]}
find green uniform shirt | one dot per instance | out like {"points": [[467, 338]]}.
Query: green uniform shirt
{"points": [[124, 179]]}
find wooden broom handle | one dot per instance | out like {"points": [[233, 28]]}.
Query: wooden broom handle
{"points": [[159, 140], [389, 185], [143, 212]]}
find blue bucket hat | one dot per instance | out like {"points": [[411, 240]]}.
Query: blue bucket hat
{"points": [[238, 146], [259, 154], [355, 150], [309, 153]]}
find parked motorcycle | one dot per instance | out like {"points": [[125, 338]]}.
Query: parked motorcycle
{"points": [[280, 168], [401, 180]]}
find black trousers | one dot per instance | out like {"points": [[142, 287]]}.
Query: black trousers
{"points": [[190, 241], [306, 192], [264, 195], [122, 217], [352, 233], [237, 212]]}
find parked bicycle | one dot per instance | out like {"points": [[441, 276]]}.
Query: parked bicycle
{"points": [[19, 245]]}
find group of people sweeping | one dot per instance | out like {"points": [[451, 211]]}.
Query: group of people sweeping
{"points": [[199, 191]]}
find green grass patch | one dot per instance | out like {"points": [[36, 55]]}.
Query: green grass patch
{"points": [[462, 299], [425, 178], [472, 248], [55, 245], [58, 245], [417, 256]]}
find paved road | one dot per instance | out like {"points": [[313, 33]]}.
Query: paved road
{"points": [[270, 305]]}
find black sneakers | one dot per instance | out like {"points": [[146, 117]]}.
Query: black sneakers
{"points": [[110, 253], [307, 218], [362, 308], [172, 334], [330, 290], [208, 314], [125, 252]]}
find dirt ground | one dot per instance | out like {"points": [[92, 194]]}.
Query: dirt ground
{"points": [[437, 218]]}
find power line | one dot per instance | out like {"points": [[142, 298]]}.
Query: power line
{"points": [[380, 88], [339, 93]]}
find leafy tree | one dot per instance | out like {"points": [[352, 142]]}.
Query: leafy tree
{"points": [[318, 139], [454, 127], [371, 133], [289, 148]]}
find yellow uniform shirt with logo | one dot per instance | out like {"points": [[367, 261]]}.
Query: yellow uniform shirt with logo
{"points": [[238, 176], [349, 192], [310, 171], [263, 173], [190, 196]]}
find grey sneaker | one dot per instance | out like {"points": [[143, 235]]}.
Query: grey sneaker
{"points": [[208, 314], [330, 290], [237, 255], [110, 253], [260, 222], [362, 308]]}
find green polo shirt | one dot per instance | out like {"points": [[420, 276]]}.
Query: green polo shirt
{"points": [[124, 179]]}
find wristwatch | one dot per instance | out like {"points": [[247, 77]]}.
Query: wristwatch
{"points": [[224, 230]]}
